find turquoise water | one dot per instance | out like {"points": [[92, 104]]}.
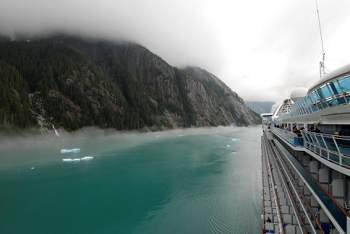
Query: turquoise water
{"points": [[197, 181]]}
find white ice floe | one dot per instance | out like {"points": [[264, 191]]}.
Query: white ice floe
{"points": [[32, 168], [67, 160], [87, 158], [228, 146], [77, 159], [74, 150], [235, 139]]}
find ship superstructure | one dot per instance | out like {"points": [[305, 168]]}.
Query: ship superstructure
{"points": [[306, 159]]}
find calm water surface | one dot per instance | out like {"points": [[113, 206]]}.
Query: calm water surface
{"points": [[198, 181]]}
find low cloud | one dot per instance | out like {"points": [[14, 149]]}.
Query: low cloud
{"points": [[272, 46]]}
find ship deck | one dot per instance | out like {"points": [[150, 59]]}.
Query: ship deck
{"points": [[293, 198]]}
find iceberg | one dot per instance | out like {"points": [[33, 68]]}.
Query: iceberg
{"points": [[67, 160], [74, 150], [77, 159], [87, 158]]}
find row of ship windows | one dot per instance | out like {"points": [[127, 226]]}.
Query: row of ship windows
{"points": [[336, 92]]}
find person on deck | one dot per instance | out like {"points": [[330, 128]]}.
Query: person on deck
{"points": [[296, 131]]}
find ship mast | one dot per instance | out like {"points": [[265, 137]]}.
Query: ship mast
{"points": [[322, 67]]}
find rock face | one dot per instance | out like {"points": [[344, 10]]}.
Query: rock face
{"points": [[73, 83]]}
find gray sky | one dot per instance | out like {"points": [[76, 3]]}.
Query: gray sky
{"points": [[261, 49]]}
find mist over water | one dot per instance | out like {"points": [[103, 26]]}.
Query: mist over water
{"points": [[190, 181]]}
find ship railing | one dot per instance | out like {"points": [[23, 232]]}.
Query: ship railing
{"points": [[337, 211], [333, 148], [288, 136]]}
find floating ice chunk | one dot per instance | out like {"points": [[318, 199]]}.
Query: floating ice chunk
{"points": [[87, 158], [235, 139], [64, 151], [67, 160], [32, 168], [74, 150], [76, 159], [228, 146]]}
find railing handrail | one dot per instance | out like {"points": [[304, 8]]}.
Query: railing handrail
{"points": [[322, 188]]}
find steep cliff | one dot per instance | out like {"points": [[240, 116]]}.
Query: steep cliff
{"points": [[73, 83]]}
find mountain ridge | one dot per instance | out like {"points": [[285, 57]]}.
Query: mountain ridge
{"points": [[74, 83]]}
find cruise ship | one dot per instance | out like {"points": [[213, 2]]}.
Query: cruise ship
{"points": [[306, 159]]}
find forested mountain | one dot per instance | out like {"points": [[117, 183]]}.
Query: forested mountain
{"points": [[72, 83]]}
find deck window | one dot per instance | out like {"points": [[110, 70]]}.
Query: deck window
{"points": [[325, 91], [331, 102], [315, 96], [334, 88], [341, 100], [345, 84], [320, 94]]}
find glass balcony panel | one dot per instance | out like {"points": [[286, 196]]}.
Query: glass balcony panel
{"points": [[346, 161], [324, 153], [334, 156], [318, 150], [330, 143], [343, 145], [320, 141], [314, 140], [308, 138]]}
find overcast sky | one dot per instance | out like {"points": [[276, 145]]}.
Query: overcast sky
{"points": [[261, 49]]}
